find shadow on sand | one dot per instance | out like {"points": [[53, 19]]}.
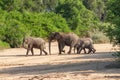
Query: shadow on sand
{"points": [[66, 67]]}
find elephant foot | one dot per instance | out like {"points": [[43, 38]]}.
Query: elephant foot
{"points": [[68, 52], [26, 55], [32, 54], [78, 52], [46, 53], [59, 53], [94, 51], [63, 51]]}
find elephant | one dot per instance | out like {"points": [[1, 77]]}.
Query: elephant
{"points": [[63, 39], [32, 42], [84, 43]]}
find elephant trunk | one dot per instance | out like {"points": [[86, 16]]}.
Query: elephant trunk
{"points": [[24, 45], [50, 38], [50, 47]]}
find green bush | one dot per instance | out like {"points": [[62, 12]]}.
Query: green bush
{"points": [[4, 45], [99, 37], [20, 18], [16, 25]]}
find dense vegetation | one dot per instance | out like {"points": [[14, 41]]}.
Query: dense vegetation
{"points": [[94, 18]]}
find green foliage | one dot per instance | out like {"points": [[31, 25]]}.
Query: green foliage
{"points": [[4, 45], [97, 6], [99, 37], [79, 19], [38, 18], [28, 5], [13, 36], [16, 25], [44, 23], [113, 16]]}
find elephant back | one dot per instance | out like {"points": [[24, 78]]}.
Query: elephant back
{"points": [[38, 41], [74, 37], [87, 42], [71, 39]]}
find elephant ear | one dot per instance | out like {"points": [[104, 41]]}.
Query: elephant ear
{"points": [[26, 40]]}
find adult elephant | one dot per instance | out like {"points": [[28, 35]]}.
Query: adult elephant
{"points": [[29, 43], [63, 39], [85, 43]]}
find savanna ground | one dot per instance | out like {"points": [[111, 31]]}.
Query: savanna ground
{"points": [[14, 65]]}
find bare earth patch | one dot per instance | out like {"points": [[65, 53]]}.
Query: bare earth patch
{"points": [[14, 65]]}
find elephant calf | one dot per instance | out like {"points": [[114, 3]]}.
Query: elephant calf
{"points": [[83, 44], [31, 43]]}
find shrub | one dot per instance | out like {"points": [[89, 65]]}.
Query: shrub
{"points": [[99, 37], [14, 36], [15, 25], [4, 45]]}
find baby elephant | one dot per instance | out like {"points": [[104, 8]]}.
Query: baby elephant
{"points": [[31, 43], [85, 43]]}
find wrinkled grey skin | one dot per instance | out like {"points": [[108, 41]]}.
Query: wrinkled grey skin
{"points": [[31, 43], [63, 39], [84, 43]]}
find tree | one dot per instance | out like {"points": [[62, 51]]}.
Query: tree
{"points": [[14, 25], [113, 16], [77, 16], [97, 6], [29, 5]]}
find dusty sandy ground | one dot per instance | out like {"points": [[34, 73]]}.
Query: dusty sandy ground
{"points": [[14, 65]]}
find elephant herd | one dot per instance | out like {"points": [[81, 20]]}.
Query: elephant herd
{"points": [[63, 39]]}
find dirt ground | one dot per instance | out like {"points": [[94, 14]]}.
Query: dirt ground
{"points": [[14, 65]]}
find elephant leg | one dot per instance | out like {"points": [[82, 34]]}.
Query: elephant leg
{"points": [[69, 52], [79, 51], [27, 52], [40, 52], [45, 52], [74, 49], [93, 50], [28, 49], [32, 51], [90, 50], [84, 50], [31, 48], [61, 46]]}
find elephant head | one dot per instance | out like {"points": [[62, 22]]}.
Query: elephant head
{"points": [[53, 36], [25, 42]]}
